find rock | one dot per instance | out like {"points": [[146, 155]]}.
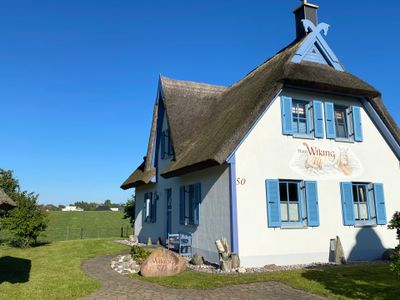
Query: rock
{"points": [[226, 265], [197, 259], [235, 261], [124, 264], [241, 270], [219, 246], [133, 240], [339, 253], [271, 267], [386, 255], [162, 262]]}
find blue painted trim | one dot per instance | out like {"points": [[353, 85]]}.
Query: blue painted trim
{"points": [[233, 198], [160, 119], [381, 127], [232, 155], [315, 38], [160, 103]]}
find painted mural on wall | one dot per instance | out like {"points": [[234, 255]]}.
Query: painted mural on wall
{"points": [[330, 162]]}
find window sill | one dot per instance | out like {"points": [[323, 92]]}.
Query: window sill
{"points": [[293, 226], [365, 224], [343, 140], [189, 225], [302, 136]]}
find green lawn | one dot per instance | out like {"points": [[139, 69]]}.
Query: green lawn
{"points": [[348, 282], [50, 271], [68, 225]]}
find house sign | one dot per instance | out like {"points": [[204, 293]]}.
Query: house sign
{"points": [[327, 162]]}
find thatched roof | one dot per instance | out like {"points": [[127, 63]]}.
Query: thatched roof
{"points": [[139, 176], [208, 122], [5, 201]]}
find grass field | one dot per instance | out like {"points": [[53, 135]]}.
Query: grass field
{"points": [[348, 282], [50, 271], [70, 225]]}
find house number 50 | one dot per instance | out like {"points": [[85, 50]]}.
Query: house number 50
{"points": [[240, 181]]}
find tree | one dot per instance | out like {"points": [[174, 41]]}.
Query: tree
{"points": [[129, 210], [8, 183], [395, 257], [107, 203], [27, 221]]}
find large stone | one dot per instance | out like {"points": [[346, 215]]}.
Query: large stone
{"points": [[197, 259], [162, 262], [226, 265], [235, 261], [339, 253]]}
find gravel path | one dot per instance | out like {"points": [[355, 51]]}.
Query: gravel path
{"points": [[116, 286]]}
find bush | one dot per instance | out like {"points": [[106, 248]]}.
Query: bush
{"points": [[129, 210], [26, 222], [395, 261], [139, 254], [395, 257]]}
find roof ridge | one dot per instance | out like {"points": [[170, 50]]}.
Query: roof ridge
{"points": [[293, 44], [191, 84]]}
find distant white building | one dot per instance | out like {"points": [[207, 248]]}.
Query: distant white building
{"points": [[72, 208], [114, 209]]}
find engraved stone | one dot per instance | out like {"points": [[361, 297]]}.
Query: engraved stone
{"points": [[162, 262]]}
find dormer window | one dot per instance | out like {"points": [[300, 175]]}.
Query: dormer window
{"points": [[166, 145]]}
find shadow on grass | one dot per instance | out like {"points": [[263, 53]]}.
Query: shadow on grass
{"points": [[361, 282], [368, 281], [41, 243], [14, 269]]}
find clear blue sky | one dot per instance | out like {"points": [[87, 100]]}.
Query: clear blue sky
{"points": [[78, 79]]}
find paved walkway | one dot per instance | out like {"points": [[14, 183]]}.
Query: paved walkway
{"points": [[116, 286]]}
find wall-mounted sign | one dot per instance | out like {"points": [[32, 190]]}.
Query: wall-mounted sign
{"points": [[325, 162]]}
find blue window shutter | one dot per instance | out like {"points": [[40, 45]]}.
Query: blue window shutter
{"points": [[380, 204], [356, 112], [346, 190], [312, 203], [162, 145], [197, 200], [169, 144], [330, 120], [318, 119], [308, 115], [153, 200], [286, 106], [182, 205], [144, 208], [273, 203]]}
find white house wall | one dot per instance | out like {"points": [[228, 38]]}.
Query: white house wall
{"points": [[214, 208], [268, 154]]}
